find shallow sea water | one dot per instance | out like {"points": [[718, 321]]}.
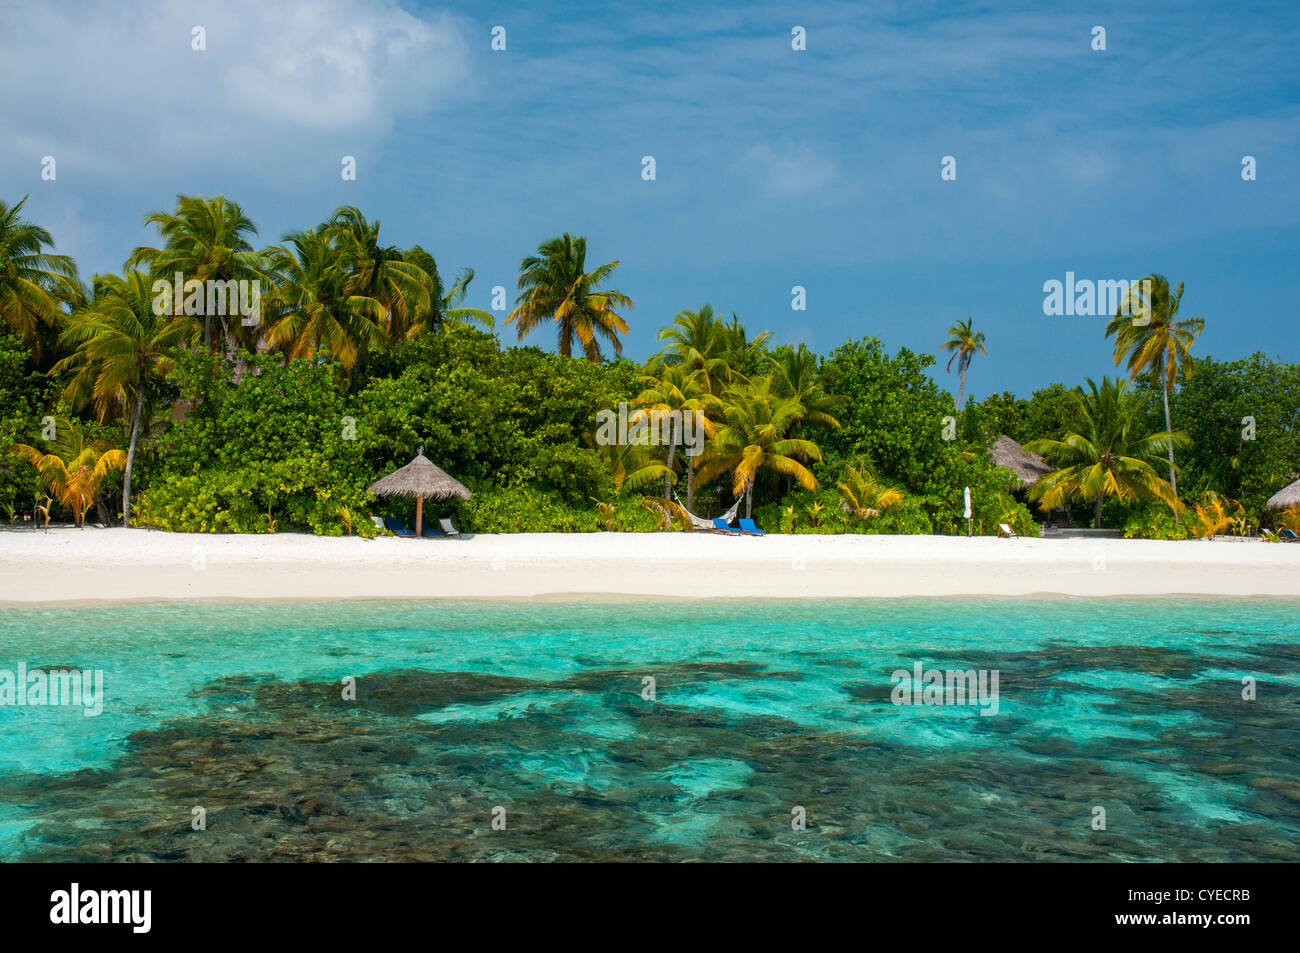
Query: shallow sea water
{"points": [[534, 711]]}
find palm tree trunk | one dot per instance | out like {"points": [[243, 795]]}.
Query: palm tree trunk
{"points": [[229, 341], [672, 452], [749, 499], [130, 457], [961, 386], [1096, 522], [1173, 479]]}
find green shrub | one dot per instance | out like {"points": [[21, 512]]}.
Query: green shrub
{"points": [[266, 453], [1154, 520], [525, 510], [25, 397], [254, 501]]}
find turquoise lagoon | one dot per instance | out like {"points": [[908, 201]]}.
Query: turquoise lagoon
{"points": [[533, 712]]}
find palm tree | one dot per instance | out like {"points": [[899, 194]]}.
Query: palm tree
{"points": [[311, 309], [795, 375], [33, 282], [1107, 456], [676, 388], [1216, 513], [754, 437], [701, 342], [555, 285], [1161, 346], [383, 273], [964, 342], [73, 468], [746, 356], [205, 239], [633, 465], [445, 304], [121, 346], [863, 496]]}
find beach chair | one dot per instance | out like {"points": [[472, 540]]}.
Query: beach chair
{"points": [[720, 526], [448, 528], [431, 532], [748, 526], [398, 527], [1289, 535], [1269, 535], [1005, 531]]}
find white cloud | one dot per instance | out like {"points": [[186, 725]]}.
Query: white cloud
{"points": [[121, 83], [333, 64]]}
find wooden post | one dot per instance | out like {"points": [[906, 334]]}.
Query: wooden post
{"points": [[419, 514]]}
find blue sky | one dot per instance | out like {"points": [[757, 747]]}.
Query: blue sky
{"points": [[775, 168]]}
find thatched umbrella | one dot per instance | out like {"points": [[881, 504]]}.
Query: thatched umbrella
{"points": [[420, 479], [1287, 496], [1027, 466]]}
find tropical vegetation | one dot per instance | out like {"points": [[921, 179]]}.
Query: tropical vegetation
{"points": [[123, 404]]}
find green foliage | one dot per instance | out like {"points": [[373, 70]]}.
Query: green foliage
{"points": [[895, 422], [994, 416], [271, 450], [265, 451], [1211, 408], [493, 417], [1051, 413], [910, 517], [526, 509], [248, 500], [1154, 520], [1110, 455], [368, 332], [24, 395], [817, 513], [895, 417], [1047, 415], [798, 513]]}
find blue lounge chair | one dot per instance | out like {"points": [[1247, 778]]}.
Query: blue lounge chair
{"points": [[448, 528], [720, 526], [747, 525], [398, 527], [1289, 535], [431, 532]]}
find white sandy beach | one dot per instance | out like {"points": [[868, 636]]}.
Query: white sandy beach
{"points": [[133, 565]]}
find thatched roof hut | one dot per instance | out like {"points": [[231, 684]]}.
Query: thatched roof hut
{"points": [[1287, 496], [1027, 466], [422, 480]]}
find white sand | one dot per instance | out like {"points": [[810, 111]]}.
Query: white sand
{"points": [[69, 565]]}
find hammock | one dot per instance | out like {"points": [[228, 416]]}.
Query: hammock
{"points": [[707, 524]]}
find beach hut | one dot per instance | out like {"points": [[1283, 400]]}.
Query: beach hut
{"points": [[1025, 465], [1287, 496], [422, 480]]}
